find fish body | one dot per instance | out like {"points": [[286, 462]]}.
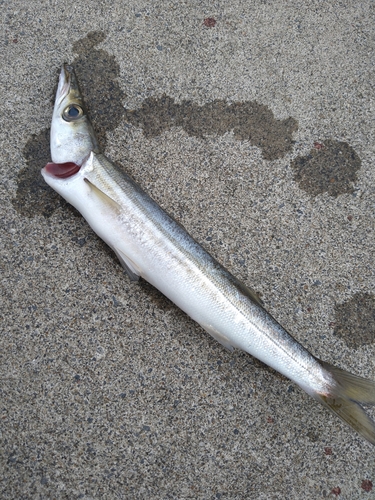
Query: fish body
{"points": [[152, 245]]}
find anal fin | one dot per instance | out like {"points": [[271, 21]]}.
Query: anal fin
{"points": [[132, 271]]}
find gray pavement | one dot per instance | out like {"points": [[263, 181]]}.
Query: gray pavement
{"points": [[252, 123]]}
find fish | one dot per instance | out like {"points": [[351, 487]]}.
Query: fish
{"points": [[151, 245]]}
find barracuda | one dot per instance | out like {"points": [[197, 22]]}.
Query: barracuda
{"points": [[151, 245]]}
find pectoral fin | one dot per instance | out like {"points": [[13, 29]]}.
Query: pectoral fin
{"points": [[132, 271], [104, 198]]}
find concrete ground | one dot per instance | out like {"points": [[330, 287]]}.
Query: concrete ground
{"points": [[252, 123]]}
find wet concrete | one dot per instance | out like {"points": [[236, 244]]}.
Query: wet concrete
{"points": [[98, 76], [249, 121], [355, 320], [330, 167], [34, 196]]}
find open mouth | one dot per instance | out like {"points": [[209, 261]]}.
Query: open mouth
{"points": [[64, 85], [62, 170]]}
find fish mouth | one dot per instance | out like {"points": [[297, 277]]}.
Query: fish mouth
{"points": [[67, 83], [64, 84], [64, 170], [61, 170]]}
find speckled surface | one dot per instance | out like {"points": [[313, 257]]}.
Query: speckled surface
{"points": [[107, 390]]}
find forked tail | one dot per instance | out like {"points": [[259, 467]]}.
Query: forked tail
{"points": [[345, 398]]}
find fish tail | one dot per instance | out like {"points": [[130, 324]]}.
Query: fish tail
{"points": [[345, 399]]}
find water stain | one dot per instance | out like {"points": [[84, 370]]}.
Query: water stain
{"points": [[248, 121], [355, 320], [34, 196], [332, 167], [97, 73]]}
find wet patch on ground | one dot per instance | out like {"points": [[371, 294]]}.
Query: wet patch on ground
{"points": [[248, 121], [355, 320], [34, 196], [330, 167], [97, 73]]}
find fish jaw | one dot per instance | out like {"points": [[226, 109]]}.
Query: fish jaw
{"points": [[74, 184], [72, 135], [70, 187]]}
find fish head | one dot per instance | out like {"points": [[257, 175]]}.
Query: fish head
{"points": [[72, 135], [73, 140]]}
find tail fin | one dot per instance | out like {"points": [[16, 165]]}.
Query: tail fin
{"points": [[348, 392]]}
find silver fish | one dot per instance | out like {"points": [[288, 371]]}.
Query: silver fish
{"points": [[152, 245]]}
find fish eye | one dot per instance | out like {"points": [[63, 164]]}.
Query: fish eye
{"points": [[72, 112]]}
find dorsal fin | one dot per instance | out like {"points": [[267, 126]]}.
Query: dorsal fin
{"points": [[246, 290]]}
